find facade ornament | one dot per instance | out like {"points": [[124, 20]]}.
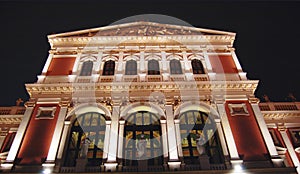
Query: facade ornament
{"points": [[84, 148], [200, 141], [141, 147]]}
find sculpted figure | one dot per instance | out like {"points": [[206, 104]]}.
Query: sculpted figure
{"points": [[200, 145], [84, 149], [141, 147]]}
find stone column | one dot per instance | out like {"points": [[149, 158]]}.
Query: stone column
{"points": [[142, 70], [164, 73], [223, 142], [56, 135], [119, 73], [106, 139], [238, 65], [111, 162], [290, 148], [174, 163], [178, 137], [277, 161], [77, 60], [210, 73], [62, 145], [164, 138], [234, 155], [47, 64], [19, 135], [120, 142]]}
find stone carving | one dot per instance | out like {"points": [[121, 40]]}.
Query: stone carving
{"points": [[200, 141], [141, 147], [84, 148]]}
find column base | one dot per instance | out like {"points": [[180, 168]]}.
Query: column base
{"points": [[174, 165], [277, 161], [6, 167], [110, 167]]}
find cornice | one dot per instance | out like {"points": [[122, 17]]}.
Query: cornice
{"points": [[10, 119], [211, 86], [281, 115], [142, 40]]}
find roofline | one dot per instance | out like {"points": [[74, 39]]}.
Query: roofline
{"points": [[138, 23]]}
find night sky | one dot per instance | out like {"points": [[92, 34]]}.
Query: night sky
{"points": [[267, 42]]}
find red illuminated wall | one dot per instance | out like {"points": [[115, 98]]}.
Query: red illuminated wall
{"points": [[222, 64], [38, 136], [61, 66], [247, 135], [8, 142], [287, 155]]}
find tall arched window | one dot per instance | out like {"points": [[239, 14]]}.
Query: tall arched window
{"points": [[153, 67], [138, 125], [90, 126], [175, 66], [131, 68], [192, 125], [87, 68], [197, 67], [109, 68]]}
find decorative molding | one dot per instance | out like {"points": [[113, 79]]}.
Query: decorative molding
{"points": [[45, 113], [10, 119], [238, 109], [279, 115]]}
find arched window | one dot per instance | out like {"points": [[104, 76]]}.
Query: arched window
{"points": [[139, 125], [87, 68], [88, 126], [175, 67], [109, 68], [197, 66], [153, 67], [192, 125], [131, 68]]}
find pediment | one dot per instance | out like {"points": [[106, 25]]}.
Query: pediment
{"points": [[141, 29]]}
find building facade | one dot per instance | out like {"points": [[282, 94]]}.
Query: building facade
{"points": [[146, 96]]}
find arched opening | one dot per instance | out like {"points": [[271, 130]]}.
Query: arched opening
{"points": [[197, 66], [194, 123], [87, 126], [131, 67], [142, 125], [153, 67], [87, 68], [109, 68], [175, 67]]}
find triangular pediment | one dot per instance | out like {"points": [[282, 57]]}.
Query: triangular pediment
{"points": [[141, 29]]}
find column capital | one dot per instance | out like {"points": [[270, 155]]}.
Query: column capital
{"points": [[30, 103], [252, 99]]}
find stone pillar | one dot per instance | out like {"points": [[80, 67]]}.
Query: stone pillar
{"points": [[178, 137], [106, 139], [223, 142], [111, 162], [19, 136], [63, 140], [165, 74], [277, 161], [174, 163], [98, 63], [57, 134], [290, 148], [234, 155], [164, 138], [238, 65], [120, 143], [210, 73], [119, 73], [47, 64], [76, 64]]}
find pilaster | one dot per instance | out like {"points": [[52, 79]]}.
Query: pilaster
{"points": [[57, 133], [19, 135], [277, 161]]}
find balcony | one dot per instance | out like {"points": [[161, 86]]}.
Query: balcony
{"points": [[200, 77], [280, 106], [154, 78]]}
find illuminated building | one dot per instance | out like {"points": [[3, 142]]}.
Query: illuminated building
{"points": [[104, 90]]}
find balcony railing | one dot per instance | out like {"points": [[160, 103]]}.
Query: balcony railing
{"points": [[200, 77], [14, 110], [154, 78], [280, 106]]}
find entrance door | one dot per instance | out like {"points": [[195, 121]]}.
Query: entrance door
{"points": [[142, 125]]}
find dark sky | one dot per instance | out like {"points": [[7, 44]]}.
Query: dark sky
{"points": [[267, 41]]}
